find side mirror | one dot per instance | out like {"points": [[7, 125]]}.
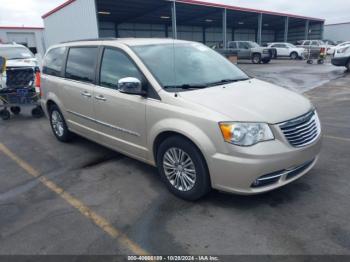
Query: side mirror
{"points": [[131, 85], [2, 64]]}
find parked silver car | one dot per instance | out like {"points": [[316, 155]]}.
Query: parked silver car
{"points": [[184, 108]]}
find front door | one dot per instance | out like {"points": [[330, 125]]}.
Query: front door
{"points": [[121, 118], [244, 50]]}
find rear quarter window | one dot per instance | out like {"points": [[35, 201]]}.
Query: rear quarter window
{"points": [[53, 61]]}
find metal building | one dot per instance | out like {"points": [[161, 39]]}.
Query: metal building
{"points": [[184, 19], [337, 32], [32, 37]]}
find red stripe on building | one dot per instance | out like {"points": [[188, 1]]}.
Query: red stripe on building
{"points": [[58, 8]]}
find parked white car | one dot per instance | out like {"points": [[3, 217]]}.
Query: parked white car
{"points": [[342, 57], [334, 49], [288, 50], [316, 44]]}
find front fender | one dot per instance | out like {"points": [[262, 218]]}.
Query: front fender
{"points": [[185, 128]]}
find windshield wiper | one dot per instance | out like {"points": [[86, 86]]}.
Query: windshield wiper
{"points": [[226, 81], [186, 86]]}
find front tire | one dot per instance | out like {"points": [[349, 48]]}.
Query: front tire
{"points": [[58, 125], [294, 56], [5, 114], [183, 169]]}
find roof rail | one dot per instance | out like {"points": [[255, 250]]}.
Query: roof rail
{"points": [[91, 39]]}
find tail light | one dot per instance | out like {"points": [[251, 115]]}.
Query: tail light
{"points": [[323, 51], [38, 82]]}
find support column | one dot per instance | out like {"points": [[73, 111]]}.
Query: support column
{"points": [[173, 19], [322, 30], [259, 34], [224, 28], [286, 28], [307, 28], [204, 35], [116, 30], [166, 30]]}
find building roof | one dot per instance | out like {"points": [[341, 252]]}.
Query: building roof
{"points": [[21, 28], [344, 23], [204, 3]]}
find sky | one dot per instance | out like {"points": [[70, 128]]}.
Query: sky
{"points": [[29, 12]]}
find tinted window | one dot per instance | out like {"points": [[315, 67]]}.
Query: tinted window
{"points": [[81, 64], [232, 45], [244, 45], [53, 61], [116, 65], [307, 43], [315, 43]]}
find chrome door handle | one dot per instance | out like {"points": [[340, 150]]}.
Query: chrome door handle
{"points": [[101, 98], [86, 94]]}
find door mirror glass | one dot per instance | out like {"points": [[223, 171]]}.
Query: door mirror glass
{"points": [[2, 64], [130, 85]]}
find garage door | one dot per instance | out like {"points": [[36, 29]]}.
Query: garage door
{"points": [[27, 39]]}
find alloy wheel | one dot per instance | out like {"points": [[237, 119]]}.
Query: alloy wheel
{"points": [[57, 123], [179, 169]]}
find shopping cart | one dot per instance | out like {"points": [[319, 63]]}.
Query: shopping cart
{"points": [[316, 55], [12, 97]]}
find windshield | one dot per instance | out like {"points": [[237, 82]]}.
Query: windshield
{"points": [[11, 53], [188, 65]]}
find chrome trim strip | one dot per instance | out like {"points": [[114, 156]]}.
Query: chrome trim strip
{"points": [[123, 130], [288, 171]]}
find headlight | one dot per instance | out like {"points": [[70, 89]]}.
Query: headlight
{"points": [[246, 134]]}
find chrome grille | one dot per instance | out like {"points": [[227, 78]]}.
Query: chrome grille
{"points": [[303, 130]]}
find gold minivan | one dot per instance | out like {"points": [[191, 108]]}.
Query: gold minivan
{"points": [[184, 108]]}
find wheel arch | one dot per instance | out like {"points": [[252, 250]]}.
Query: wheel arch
{"points": [[189, 132]]}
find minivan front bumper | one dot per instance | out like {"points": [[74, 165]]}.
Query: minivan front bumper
{"points": [[275, 162]]}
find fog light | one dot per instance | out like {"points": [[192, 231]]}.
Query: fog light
{"points": [[256, 183]]}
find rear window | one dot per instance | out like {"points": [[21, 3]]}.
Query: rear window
{"points": [[53, 61], [81, 64]]}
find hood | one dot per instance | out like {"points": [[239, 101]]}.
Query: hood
{"points": [[251, 101], [32, 62]]}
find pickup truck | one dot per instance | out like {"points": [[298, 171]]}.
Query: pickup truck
{"points": [[252, 51]]}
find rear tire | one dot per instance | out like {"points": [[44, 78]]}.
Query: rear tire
{"points": [[256, 58], [183, 168], [58, 125], [348, 65], [37, 112], [16, 110]]}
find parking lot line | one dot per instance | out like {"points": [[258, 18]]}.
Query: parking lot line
{"points": [[338, 138], [77, 204]]}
